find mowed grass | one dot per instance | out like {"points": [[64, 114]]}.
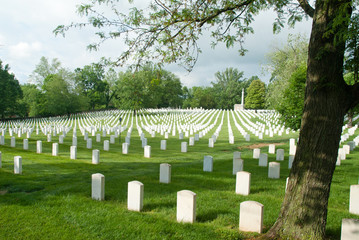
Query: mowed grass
{"points": [[51, 199]]}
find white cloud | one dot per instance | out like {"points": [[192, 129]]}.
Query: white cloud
{"points": [[24, 49]]}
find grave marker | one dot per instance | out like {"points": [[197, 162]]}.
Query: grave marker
{"points": [[251, 217], [147, 151], [280, 155], [55, 149], [165, 173], [354, 199], [243, 183], [263, 160], [208, 164], [274, 170], [135, 196], [350, 229], [73, 152], [125, 146], [95, 156], [186, 206], [18, 165], [98, 186]]}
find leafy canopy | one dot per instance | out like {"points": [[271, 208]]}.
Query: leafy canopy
{"points": [[167, 31]]}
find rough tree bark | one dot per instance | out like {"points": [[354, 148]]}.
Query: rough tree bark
{"points": [[303, 213]]}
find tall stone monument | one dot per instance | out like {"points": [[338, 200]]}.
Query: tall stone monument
{"points": [[240, 107]]}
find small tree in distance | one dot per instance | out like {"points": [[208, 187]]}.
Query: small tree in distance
{"points": [[255, 95]]}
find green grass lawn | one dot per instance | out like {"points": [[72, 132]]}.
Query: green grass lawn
{"points": [[51, 199]]}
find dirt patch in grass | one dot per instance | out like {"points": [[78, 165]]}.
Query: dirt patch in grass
{"points": [[3, 192], [259, 145]]}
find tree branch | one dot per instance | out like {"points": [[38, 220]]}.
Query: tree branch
{"points": [[220, 11], [306, 7]]}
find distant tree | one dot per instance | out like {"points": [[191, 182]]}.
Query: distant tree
{"points": [[32, 97], [10, 91], [351, 64], [283, 61], [45, 68], [228, 87], [149, 87], [292, 104], [111, 79], [89, 82], [255, 95], [171, 87]]}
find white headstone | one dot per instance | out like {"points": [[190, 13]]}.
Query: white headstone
{"points": [[147, 151], [74, 141], [55, 149], [144, 142], [165, 173], [73, 152], [184, 147], [208, 164], [256, 153], [38, 146], [342, 154], [196, 137], [271, 149], [263, 160], [346, 149], [95, 156], [98, 186], [248, 137], [89, 143], [106, 145], [186, 206], [61, 139], [191, 141], [237, 165], [112, 139], [280, 155], [290, 162], [350, 229], [48, 137], [13, 142], [243, 183], [17, 165], [211, 143], [274, 170], [98, 137], [2, 140], [135, 196], [26, 144], [354, 199], [163, 144], [251, 217], [0, 160], [125, 147]]}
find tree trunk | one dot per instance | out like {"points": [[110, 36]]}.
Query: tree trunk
{"points": [[303, 213]]}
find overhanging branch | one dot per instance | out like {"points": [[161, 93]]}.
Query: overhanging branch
{"points": [[306, 7]]}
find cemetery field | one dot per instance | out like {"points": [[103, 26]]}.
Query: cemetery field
{"points": [[51, 198]]}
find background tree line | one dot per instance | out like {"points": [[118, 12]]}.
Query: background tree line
{"points": [[55, 90]]}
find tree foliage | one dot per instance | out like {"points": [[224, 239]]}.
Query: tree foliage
{"points": [[149, 87], [228, 87], [10, 91], [255, 95], [282, 62], [291, 107]]}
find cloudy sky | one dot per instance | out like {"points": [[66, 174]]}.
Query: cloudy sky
{"points": [[26, 35]]}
